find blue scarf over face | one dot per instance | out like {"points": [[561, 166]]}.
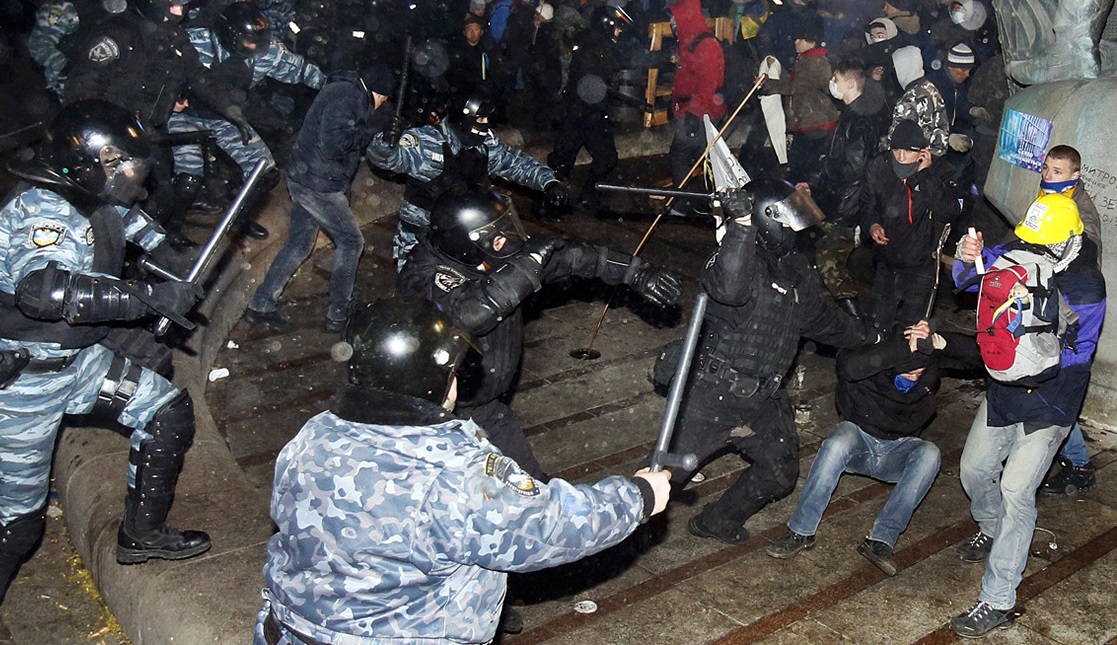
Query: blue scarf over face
{"points": [[1058, 186], [903, 383]]}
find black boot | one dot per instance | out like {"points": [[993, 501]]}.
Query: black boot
{"points": [[18, 539], [143, 533]]}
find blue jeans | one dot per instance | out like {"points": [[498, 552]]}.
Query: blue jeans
{"points": [[1003, 496], [1074, 448], [911, 463], [311, 211]]}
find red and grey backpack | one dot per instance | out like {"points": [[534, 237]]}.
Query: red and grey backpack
{"points": [[1023, 321]]}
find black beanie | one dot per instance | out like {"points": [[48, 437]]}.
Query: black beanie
{"points": [[379, 79]]}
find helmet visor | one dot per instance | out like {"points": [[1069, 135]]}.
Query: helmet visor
{"points": [[798, 211], [124, 175], [504, 236]]}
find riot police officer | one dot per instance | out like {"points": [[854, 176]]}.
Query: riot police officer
{"points": [[59, 298], [462, 149], [239, 52], [419, 550], [764, 296], [477, 262]]}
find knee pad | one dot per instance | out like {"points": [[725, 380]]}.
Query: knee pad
{"points": [[173, 424]]}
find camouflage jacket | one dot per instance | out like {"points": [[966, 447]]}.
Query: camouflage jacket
{"points": [[276, 62], [923, 104], [401, 531], [420, 156], [37, 227], [54, 21]]}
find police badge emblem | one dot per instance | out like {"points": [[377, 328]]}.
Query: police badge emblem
{"points": [[47, 234], [510, 473]]}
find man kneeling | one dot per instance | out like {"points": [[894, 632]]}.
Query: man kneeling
{"points": [[886, 399]]}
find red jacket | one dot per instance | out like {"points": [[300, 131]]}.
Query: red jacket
{"points": [[700, 73]]}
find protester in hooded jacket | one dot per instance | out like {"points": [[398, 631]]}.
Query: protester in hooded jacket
{"points": [[699, 75], [921, 101], [776, 38]]}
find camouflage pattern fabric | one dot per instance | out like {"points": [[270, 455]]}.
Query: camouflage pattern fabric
{"points": [[923, 104], [403, 534], [38, 227], [277, 63], [53, 22], [188, 158], [419, 155], [832, 251]]}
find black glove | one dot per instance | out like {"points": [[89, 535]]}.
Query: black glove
{"points": [[656, 285], [537, 252], [171, 298], [236, 117], [737, 204], [557, 195]]}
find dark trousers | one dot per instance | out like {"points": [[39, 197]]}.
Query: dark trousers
{"points": [[900, 295], [761, 429], [589, 130], [504, 431], [687, 145], [805, 154]]}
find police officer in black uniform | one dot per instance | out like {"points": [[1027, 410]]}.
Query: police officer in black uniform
{"points": [[764, 296], [478, 263]]}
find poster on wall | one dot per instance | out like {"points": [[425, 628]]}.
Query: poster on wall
{"points": [[1024, 139]]}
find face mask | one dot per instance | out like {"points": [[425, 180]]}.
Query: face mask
{"points": [[1058, 186], [834, 91], [903, 384], [957, 17], [904, 170]]}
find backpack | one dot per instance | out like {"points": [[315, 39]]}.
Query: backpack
{"points": [[1023, 322]]}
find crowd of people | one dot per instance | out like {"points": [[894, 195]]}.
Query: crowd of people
{"points": [[871, 129]]}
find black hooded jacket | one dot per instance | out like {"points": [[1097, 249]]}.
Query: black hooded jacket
{"points": [[837, 182], [867, 394]]}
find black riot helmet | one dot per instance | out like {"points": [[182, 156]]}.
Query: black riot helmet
{"points": [[404, 345], [608, 20], [467, 222], [94, 150], [468, 119], [779, 211], [242, 29], [162, 11]]}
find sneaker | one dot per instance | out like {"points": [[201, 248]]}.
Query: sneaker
{"points": [[1069, 480], [790, 545], [981, 619], [697, 527], [880, 554], [268, 319], [976, 548]]}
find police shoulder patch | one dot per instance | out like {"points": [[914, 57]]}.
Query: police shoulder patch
{"points": [[47, 234], [409, 140], [447, 279], [511, 475], [104, 50]]}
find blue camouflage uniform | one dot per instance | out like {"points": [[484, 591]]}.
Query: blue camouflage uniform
{"points": [[402, 534], [277, 63], [54, 21], [421, 154], [38, 227]]}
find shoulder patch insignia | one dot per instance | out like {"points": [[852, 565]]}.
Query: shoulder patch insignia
{"points": [[510, 473], [409, 140], [47, 234], [104, 50], [447, 279], [88, 236]]}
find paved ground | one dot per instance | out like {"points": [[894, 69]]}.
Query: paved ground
{"points": [[590, 419]]}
